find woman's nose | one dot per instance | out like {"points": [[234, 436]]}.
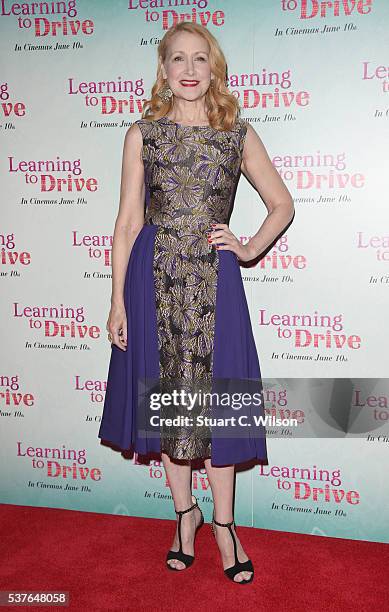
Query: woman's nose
{"points": [[189, 68]]}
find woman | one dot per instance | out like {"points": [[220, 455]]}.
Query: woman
{"points": [[178, 301]]}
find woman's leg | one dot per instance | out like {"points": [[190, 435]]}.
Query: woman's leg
{"points": [[221, 480], [180, 480]]}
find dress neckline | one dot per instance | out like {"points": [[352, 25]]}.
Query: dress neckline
{"points": [[182, 125]]}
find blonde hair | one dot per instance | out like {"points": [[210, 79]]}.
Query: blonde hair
{"points": [[223, 106]]}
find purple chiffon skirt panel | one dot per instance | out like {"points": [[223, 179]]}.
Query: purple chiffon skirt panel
{"points": [[235, 355]]}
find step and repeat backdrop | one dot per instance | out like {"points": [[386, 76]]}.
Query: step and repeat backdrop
{"points": [[312, 78]]}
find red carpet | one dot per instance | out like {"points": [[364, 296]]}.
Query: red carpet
{"points": [[111, 562]]}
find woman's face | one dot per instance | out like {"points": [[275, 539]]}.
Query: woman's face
{"points": [[187, 67]]}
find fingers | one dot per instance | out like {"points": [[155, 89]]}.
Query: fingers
{"points": [[119, 340], [224, 238], [118, 335], [221, 230], [218, 230], [122, 337]]}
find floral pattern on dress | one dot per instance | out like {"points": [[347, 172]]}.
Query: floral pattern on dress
{"points": [[191, 174]]}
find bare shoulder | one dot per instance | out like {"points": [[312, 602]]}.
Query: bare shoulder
{"points": [[253, 141], [133, 142], [254, 154], [134, 133], [251, 130]]}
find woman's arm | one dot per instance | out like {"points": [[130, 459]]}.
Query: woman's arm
{"points": [[130, 217], [128, 224], [259, 170]]}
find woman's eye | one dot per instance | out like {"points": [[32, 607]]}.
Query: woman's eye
{"points": [[179, 57]]}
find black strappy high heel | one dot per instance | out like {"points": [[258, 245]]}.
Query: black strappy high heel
{"points": [[179, 554], [245, 566]]}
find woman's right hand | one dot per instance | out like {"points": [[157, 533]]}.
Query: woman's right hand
{"points": [[117, 326]]}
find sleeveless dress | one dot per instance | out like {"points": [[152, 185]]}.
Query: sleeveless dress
{"points": [[188, 324]]}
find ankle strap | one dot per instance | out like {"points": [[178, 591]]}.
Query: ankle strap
{"points": [[180, 512], [223, 524]]}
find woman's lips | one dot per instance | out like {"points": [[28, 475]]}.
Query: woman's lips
{"points": [[189, 83]]}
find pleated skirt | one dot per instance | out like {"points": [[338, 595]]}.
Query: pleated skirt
{"points": [[235, 358]]}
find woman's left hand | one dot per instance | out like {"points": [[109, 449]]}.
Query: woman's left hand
{"points": [[222, 236]]}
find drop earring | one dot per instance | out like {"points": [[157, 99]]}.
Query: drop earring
{"points": [[165, 93]]}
